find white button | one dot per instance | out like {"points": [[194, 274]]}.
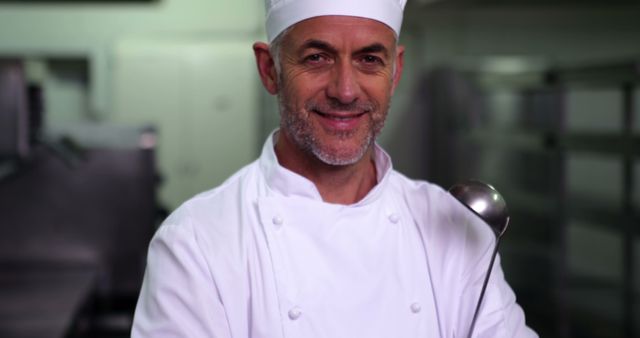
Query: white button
{"points": [[415, 307], [295, 313], [277, 220], [394, 218]]}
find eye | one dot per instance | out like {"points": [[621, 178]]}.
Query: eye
{"points": [[371, 60], [315, 58]]}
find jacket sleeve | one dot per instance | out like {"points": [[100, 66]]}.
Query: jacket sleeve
{"points": [[179, 297], [459, 246], [500, 315]]}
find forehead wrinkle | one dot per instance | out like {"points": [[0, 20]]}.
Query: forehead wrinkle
{"points": [[332, 33], [373, 48]]}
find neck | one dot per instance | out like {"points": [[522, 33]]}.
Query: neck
{"points": [[344, 184]]}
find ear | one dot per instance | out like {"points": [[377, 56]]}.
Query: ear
{"points": [[399, 65], [266, 67]]}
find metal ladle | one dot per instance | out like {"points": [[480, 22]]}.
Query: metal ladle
{"points": [[486, 202]]}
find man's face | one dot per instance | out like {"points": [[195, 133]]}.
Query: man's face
{"points": [[335, 84]]}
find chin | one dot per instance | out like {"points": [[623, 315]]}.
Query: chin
{"points": [[341, 156]]}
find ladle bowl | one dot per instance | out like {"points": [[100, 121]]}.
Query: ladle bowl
{"points": [[485, 201]]}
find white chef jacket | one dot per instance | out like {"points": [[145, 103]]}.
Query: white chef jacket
{"points": [[263, 256]]}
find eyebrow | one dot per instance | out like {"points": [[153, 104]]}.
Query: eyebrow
{"points": [[374, 48], [322, 45], [317, 44]]}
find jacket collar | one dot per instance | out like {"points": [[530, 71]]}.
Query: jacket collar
{"points": [[287, 183]]}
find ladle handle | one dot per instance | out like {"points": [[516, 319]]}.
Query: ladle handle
{"points": [[484, 288]]}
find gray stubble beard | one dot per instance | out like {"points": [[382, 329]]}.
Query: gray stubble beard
{"points": [[300, 130]]}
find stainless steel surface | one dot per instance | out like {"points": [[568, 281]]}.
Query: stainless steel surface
{"points": [[486, 202]]}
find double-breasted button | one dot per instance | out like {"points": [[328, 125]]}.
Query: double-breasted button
{"points": [[277, 220], [415, 307], [394, 218], [295, 313]]}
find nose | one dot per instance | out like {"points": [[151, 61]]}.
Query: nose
{"points": [[344, 86]]}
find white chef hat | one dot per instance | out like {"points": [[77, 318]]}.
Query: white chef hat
{"points": [[283, 13]]}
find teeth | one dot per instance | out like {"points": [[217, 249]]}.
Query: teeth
{"points": [[338, 118]]}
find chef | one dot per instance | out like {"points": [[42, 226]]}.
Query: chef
{"points": [[320, 236]]}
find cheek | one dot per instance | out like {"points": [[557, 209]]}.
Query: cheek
{"points": [[302, 80], [301, 90], [377, 84], [380, 92]]}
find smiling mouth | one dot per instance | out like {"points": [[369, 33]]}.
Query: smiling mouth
{"points": [[337, 117]]}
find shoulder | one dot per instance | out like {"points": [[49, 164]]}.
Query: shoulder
{"points": [[442, 219], [215, 217], [430, 199], [432, 208], [221, 201], [421, 194]]}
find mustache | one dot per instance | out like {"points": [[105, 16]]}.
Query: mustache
{"points": [[335, 105]]}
